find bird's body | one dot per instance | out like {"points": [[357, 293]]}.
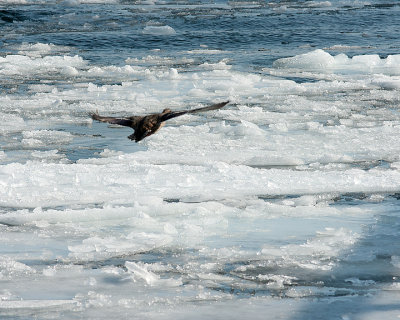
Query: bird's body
{"points": [[145, 126]]}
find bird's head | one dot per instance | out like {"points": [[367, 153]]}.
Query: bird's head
{"points": [[167, 110]]}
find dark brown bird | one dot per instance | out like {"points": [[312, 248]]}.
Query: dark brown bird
{"points": [[145, 126]]}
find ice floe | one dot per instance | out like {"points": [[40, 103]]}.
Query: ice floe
{"points": [[287, 192]]}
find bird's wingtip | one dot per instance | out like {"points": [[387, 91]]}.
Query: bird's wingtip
{"points": [[223, 104], [94, 115]]}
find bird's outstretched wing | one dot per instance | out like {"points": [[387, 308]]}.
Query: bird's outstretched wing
{"points": [[174, 114], [112, 120]]}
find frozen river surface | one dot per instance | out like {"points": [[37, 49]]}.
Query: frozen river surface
{"points": [[283, 205]]}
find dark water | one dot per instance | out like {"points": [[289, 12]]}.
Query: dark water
{"points": [[254, 34]]}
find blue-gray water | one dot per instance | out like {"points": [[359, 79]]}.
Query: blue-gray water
{"points": [[255, 33]]}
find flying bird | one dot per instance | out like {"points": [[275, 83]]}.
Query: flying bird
{"points": [[145, 126]]}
